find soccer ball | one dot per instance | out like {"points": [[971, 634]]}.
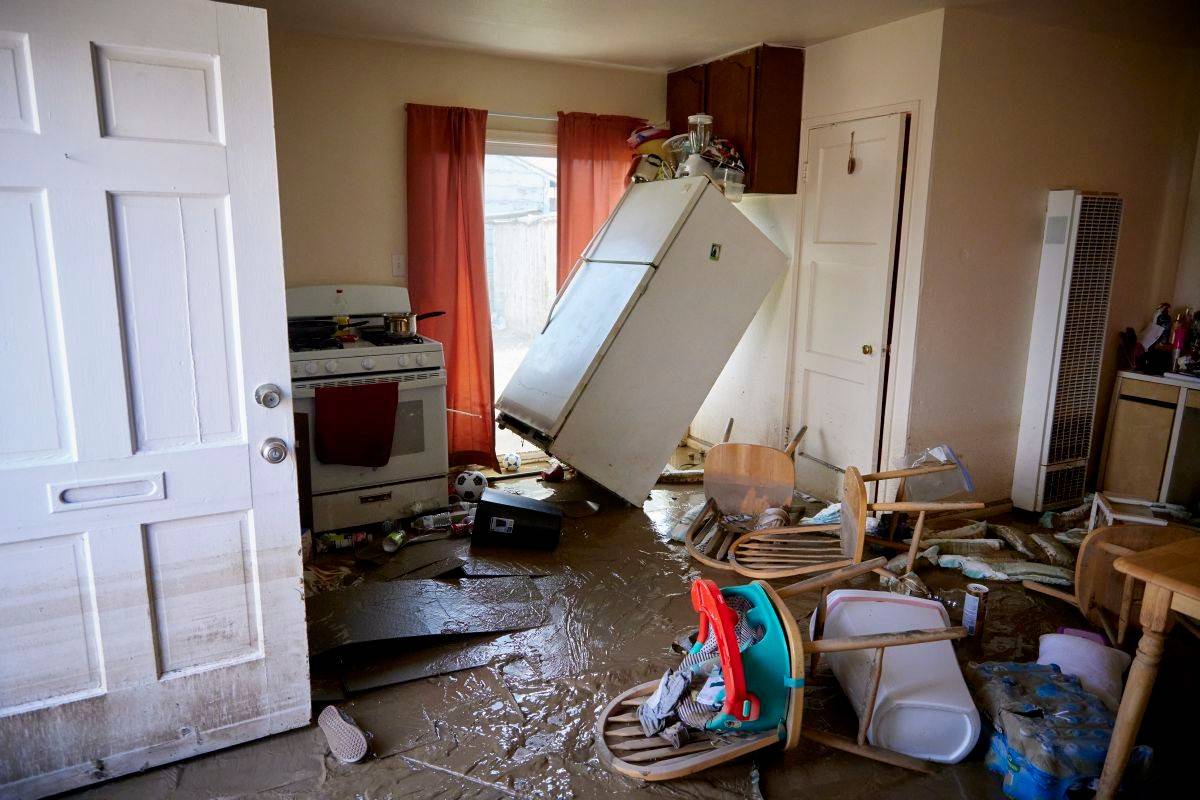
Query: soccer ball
{"points": [[469, 485], [511, 462]]}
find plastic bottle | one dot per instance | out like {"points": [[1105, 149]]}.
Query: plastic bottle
{"points": [[341, 310]]}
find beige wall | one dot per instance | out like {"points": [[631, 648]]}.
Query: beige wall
{"points": [[1022, 109], [1187, 280], [339, 119]]}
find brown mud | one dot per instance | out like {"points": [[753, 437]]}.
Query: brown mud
{"points": [[616, 594]]}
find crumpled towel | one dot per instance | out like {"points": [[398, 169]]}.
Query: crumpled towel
{"points": [[1008, 570]]}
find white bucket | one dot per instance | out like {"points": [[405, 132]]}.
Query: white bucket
{"points": [[923, 708]]}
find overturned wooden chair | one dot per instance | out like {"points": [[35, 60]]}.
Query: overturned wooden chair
{"points": [[743, 480], [764, 687], [1107, 598], [787, 552]]}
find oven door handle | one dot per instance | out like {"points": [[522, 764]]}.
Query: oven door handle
{"points": [[307, 390]]}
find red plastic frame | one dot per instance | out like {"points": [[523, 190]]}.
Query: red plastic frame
{"points": [[717, 616]]}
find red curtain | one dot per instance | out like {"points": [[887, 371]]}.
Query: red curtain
{"points": [[592, 161], [446, 265]]}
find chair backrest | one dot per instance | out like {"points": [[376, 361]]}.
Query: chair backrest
{"points": [[854, 514], [1100, 587], [748, 478]]}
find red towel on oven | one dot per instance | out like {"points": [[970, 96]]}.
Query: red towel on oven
{"points": [[355, 424]]}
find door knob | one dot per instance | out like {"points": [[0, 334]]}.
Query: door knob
{"points": [[867, 349], [268, 395], [274, 450]]}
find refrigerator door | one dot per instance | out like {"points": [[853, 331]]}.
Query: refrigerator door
{"points": [[646, 221], [582, 326]]}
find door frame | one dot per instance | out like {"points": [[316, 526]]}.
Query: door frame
{"points": [[906, 283]]}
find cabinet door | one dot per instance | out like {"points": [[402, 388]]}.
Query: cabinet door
{"points": [[778, 89], [1137, 451], [685, 96], [729, 97]]}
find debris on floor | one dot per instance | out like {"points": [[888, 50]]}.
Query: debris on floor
{"points": [[513, 714], [347, 741], [372, 612], [1051, 735]]}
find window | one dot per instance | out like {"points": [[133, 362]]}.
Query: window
{"points": [[520, 235]]}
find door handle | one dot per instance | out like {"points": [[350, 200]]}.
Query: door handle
{"points": [[268, 395], [274, 450], [867, 349]]}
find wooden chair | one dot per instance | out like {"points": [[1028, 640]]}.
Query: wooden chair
{"points": [[798, 550], [1103, 595], [624, 748], [740, 479], [1109, 510]]}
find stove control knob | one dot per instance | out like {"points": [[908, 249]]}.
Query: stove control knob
{"points": [[402, 361], [422, 359], [310, 368], [331, 366], [368, 363]]}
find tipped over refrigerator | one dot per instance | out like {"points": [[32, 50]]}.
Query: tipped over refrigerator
{"points": [[641, 331]]}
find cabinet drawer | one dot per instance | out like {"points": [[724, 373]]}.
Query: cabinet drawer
{"points": [[1149, 390]]}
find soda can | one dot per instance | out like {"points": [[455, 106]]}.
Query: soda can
{"points": [[975, 609]]}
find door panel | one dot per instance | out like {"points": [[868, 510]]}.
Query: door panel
{"points": [[29, 328], [205, 591], [149, 555], [49, 604], [171, 256], [159, 95], [846, 266]]}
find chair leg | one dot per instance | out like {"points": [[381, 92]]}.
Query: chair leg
{"points": [[864, 722], [1126, 609], [916, 542], [894, 520], [818, 630]]}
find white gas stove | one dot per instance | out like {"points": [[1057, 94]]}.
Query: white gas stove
{"points": [[414, 479]]}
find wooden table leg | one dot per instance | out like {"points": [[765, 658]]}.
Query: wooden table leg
{"points": [[1156, 620]]}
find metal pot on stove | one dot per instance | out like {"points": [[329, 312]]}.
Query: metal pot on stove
{"points": [[404, 323]]}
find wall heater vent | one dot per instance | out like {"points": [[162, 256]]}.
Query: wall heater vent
{"points": [[1066, 346]]}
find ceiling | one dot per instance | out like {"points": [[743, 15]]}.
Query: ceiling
{"points": [[667, 34], [649, 34]]}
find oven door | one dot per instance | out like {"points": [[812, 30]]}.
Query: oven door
{"points": [[418, 446]]}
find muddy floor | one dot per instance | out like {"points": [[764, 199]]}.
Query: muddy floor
{"points": [[617, 596]]}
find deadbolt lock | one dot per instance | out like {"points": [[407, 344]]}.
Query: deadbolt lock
{"points": [[867, 349], [274, 450]]}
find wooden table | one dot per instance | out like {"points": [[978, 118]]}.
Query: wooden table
{"points": [[1172, 577]]}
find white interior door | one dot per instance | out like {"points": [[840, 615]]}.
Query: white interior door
{"points": [[846, 264], [151, 605]]}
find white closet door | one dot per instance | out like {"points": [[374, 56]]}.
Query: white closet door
{"points": [[846, 264]]}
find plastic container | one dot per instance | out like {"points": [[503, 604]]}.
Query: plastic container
{"points": [[1098, 667], [923, 708], [732, 182]]}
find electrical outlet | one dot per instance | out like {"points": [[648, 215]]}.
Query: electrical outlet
{"points": [[400, 267]]}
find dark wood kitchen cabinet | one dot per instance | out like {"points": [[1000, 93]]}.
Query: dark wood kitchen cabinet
{"points": [[685, 96], [754, 99]]}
